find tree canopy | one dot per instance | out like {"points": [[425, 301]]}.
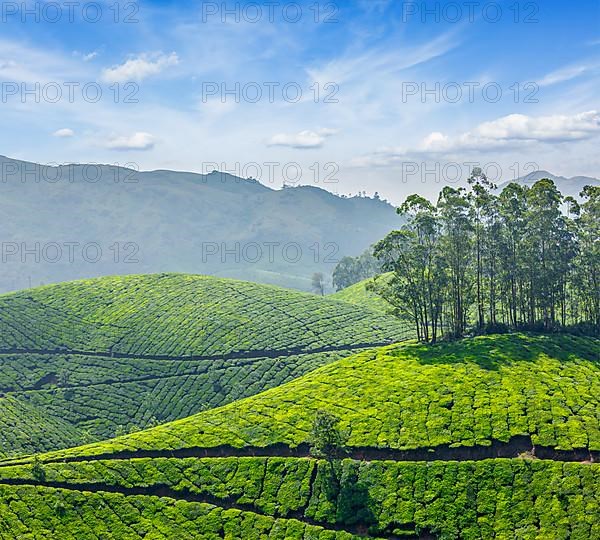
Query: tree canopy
{"points": [[524, 258]]}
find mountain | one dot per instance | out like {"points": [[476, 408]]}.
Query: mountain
{"points": [[81, 221], [483, 438], [567, 186], [96, 357]]}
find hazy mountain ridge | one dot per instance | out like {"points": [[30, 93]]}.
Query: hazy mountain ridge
{"points": [[567, 186], [161, 221]]}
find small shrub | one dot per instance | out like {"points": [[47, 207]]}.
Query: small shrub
{"points": [[326, 439], [37, 470]]}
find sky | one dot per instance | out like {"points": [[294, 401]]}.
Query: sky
{"points": [[365, 95]]}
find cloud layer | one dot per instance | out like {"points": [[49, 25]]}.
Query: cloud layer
{"points": [[302, 140], [139, 68], [138, 141], [507, 132]]}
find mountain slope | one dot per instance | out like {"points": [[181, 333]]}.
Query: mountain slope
{"points": [[25, 429], [111, 355], [567, 186], [359, 295], [473, 394], [78, 221]]}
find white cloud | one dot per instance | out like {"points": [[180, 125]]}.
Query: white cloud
{"points": [[555, 128], [303, 139], [86, 57], [562, 75], [89, 56], [63, 133], [139, 68], [138, 141], [380, 62], [22, 63], [508, 132]]}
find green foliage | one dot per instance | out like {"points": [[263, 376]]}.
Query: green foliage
{"points": [[465, 393], [83, 358], [362, 294], [412, 396], [30, 512], [37, 470], [470, 499], [351, 270], [26, 428], [181, 315], [325, 438], [482, 261]]}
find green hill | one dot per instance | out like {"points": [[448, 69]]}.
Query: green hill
{"points": [[412, 396], [25, 428], [111, 355], [358, 294], [488, 437]]}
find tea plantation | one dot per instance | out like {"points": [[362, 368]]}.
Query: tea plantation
{"points": [[198, 477], [179, 315], [102, 357], [25, 428], [465, 394], [359, 295], [303, 498]]}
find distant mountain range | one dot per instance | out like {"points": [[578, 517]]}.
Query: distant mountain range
{"points": [[567, 186], [78, 221]]}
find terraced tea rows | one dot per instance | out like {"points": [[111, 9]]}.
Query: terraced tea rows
{"points": [[25, 429], [136, 393], [359, 295], [466, 394], [177, 315], [111, 355], [508, 498], [539, 394], [28, 512]]}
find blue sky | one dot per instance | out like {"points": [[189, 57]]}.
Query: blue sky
{"points": [[409, 93]]}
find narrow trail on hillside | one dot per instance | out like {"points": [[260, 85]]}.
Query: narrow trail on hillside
{"points": [[163, 490], [514, 448], [195, 372], [257, 353]]}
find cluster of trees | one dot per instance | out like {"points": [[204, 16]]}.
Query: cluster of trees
{"points": [[478, 260], [351, 270]]}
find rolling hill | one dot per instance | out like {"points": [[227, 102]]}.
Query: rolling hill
{"points": [[480, 391], [488, 437], [83, 221], [359, 295], [110, 355]]}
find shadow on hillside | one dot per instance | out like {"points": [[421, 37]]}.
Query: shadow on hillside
{"points": [[349, 503], [494, 351]]}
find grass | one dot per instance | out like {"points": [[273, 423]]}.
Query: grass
{"points": [[116, 354]]}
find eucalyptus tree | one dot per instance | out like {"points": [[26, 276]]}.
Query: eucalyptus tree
{"points": [[587, 267], [413, 255], [457, 241]]}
